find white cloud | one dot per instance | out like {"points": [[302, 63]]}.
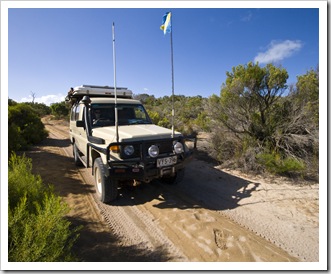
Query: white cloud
{"points": [[277, 51], [47, 99]]}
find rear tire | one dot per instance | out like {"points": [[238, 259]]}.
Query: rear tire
{"points": [[105, 187]]}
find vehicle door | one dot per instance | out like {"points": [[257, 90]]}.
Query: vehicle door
{"points": [[79, 133]]}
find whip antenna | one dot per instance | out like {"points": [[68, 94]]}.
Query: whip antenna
{"points": [[115, 88]]}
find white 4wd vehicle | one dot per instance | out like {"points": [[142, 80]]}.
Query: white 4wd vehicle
{"points": [[120, 142]]}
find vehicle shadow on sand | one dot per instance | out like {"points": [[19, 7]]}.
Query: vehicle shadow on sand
{"points": [[203, 186], [56, 142], [58, 171]]}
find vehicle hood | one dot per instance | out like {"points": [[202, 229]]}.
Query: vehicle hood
{"points": [[133, 133]]}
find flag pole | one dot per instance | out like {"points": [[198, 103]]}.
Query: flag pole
{"points": [[167, 28], [173, 82], [115, 88]]}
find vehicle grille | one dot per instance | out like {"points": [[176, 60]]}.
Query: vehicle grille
{"points": [[165, 147]]}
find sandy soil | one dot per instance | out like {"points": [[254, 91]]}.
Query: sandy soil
{"points": [[213, 215]]}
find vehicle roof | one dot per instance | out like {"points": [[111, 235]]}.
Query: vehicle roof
{"points": [[102, 100]]}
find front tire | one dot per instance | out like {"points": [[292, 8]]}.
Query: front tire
{"points": [[105, 187]]}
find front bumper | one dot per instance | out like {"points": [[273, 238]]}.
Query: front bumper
{"points": [[146, 172], [145, 168]]}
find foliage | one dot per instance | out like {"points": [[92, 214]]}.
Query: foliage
{"points": [[60, 110], [40, 108], [11, 102], [275, 164], [190, 116], [37, 229], [248, 98], [24, 127], [307, 93], [257, 126], [298, 135], [22, 182]]}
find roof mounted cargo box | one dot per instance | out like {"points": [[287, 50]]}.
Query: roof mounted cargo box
{"points": [[77, 93]]}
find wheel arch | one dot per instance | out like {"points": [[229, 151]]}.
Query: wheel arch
{"points": [[96, 154]]}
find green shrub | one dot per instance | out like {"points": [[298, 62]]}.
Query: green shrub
{"points": [[37, 228], [203, 121], [16, 140], [274, 163], [24, 127], [40, 108], [155, 116], [60, 110], [22, 183]]}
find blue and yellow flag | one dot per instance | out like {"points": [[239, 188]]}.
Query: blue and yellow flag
{"points": [[166, 23]]}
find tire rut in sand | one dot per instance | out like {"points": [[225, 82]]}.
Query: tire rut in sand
{"points": [[135, 227]]}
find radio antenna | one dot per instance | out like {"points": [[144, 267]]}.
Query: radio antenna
{"points": [[115, 88]]}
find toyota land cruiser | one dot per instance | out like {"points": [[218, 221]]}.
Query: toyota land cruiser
{"points": [[113, 134]]}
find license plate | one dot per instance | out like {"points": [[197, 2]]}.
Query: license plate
{"points": [[166, 161]]}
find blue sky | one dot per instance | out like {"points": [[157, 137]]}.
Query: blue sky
{"points": [[53, 49]]}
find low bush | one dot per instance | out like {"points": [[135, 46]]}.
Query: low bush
{"points": [[24, 127], [274, 163], [37, 228], [40, 108], [60, 110]]}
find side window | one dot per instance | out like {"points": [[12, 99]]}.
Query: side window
{"points": [[77, 109], [140, 113], [73, 112]]}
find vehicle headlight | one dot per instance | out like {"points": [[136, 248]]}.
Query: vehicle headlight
{"points": [[178, 148], [153, 151], [128, 150]]}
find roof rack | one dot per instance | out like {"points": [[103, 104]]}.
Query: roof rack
{"points": [[77, 93]]}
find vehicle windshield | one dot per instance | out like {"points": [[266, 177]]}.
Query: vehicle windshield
{"points": [[128, 114]]}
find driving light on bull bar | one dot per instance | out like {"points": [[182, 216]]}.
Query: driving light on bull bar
{"points": [[128, 150], [178, 148], [153, 151]]}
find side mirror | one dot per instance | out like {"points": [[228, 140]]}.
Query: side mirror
{"points": [[80, 123], [96, 140]]}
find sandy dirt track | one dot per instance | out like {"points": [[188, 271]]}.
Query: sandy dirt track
{"points": [[214, 215]]}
